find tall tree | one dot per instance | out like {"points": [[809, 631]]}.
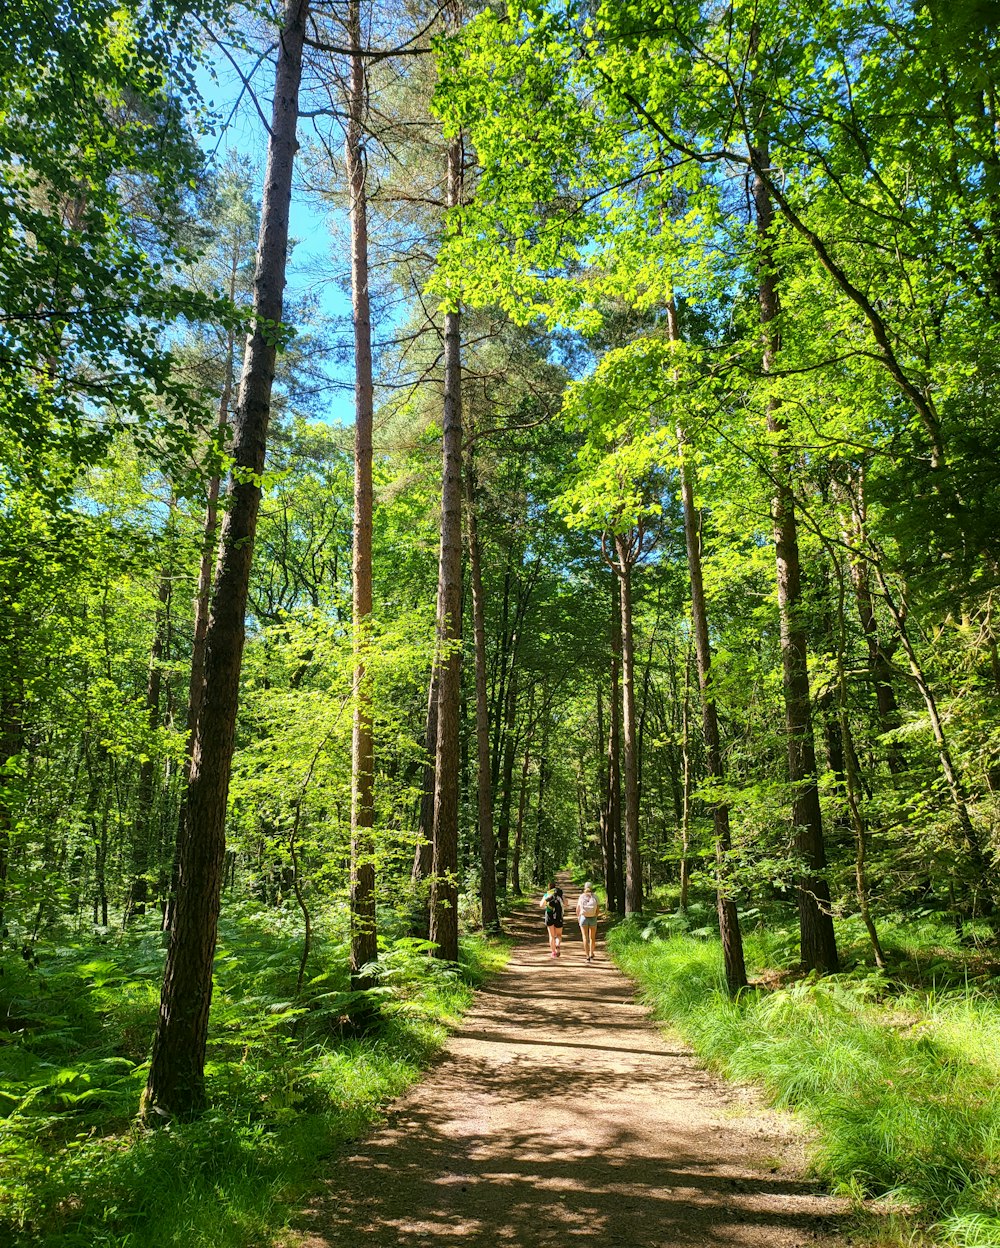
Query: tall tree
{"points": [[176, 1083], [364, 942], [444, 879]]}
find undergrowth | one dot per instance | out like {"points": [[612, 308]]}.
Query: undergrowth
{"points": [[896, 1071], [288, 1080]]}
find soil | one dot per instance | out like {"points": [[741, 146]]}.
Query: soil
{"points": [[561, 1113]]}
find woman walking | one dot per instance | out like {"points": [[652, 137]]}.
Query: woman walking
{"points": [[587, 911], [553, 903]]}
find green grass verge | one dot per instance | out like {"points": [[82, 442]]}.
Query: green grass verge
{"points": [[900, 1082], [287, 1080]]}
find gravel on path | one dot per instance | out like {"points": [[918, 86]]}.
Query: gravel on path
{"points": [[560, 1113]]}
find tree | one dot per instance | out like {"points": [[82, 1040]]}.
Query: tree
{"points": [[176, 1086]]}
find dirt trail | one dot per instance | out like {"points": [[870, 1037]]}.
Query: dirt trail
{"points": [[559, 1113]]}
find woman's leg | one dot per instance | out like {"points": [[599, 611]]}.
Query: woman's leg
{"points": [[552, 938], [558, 932]]}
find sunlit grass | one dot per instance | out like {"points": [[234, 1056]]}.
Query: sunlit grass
{"points": [[900, 1081]]}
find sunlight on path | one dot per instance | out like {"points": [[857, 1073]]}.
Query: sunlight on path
{"points": [[559, 1113]]}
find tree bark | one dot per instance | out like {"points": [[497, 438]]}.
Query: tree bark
{"points": [[484, 783], [176, 1082], [729, 922], [423, 855], [616, 857], [146, 807], [818, 945], [507, 781], [196, 683], [444, 877], [633, 861], [364, 940]]}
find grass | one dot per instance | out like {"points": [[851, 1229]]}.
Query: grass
{"points": [[897, 1073], [288, 1081]]}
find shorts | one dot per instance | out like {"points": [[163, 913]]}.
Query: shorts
{"points": [[553, 922], [586, 921]]}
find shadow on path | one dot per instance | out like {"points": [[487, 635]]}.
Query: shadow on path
{"points": [[559, 1114]]}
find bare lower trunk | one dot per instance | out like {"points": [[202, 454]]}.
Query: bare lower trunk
{"points": [[444, 878], [729, 923], [196, 685], [507, 782], [818, 944], [423, 854], [616, 856], [633, 861], [176, 1083], [484, 786], [146, 807], [364, 942]]}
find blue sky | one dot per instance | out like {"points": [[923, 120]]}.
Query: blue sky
{"points": [[313, 266]]}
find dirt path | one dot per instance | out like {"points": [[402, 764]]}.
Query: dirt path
{"points": [[558, 1114]]}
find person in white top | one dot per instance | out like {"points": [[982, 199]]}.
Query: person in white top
{"points": [[587, 911]]}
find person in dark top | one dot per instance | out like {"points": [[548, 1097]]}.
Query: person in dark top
{"points": [[552, 903]]}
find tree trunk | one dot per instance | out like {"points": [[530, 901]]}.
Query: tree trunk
{"points": [[818, 944], [729, 922], [423, 855], [196, 684], [364, 942], [444, 878], [616, 857], [176, 1083], [484, 783], [146, 807], [633, 861], [507, 781], [515, 867]]}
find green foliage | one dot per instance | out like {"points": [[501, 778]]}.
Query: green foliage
{"points": [[290, 1080], [898, 1082]]}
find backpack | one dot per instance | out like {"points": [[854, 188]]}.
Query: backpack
{"points": [[553, 909], [588, 905]]}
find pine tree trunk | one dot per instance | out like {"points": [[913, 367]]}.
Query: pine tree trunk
{"points": [[818, 945], [633, 861], [176, 1082], [507, 781], [444, 876], [484, 783], [616, 893], [364, 942]]}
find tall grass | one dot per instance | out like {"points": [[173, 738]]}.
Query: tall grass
{"points": [[901, 1082], [288, 1080]]}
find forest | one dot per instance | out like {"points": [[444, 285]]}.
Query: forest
{"points": [[562, 437]]}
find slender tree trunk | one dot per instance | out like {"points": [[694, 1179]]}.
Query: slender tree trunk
{"points": [[364, 942], [980, 859], [616, 896], [818, 945], [879, 661], [196, 684], [633, 860], [729, 923], [146, 807], [484, 783], [176, 1083], [515, 869], [686, 794], [444, 879], [507, 781], [423, 855]]}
